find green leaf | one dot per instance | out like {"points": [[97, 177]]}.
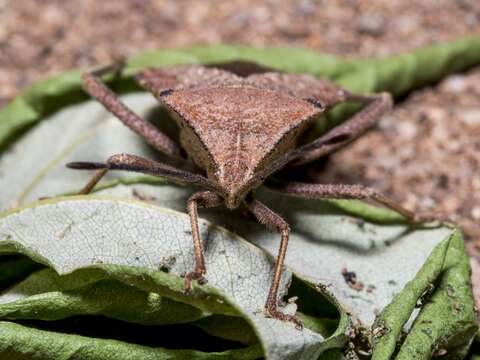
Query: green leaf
{"points": [[83, 131], [389, 324], [21, 342], [127, 233], [85, 226], [475, 350], [451, 306], [45, 295], [14, 268]]}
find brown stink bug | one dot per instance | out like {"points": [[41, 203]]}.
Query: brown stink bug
{"points": [[239, 128]]}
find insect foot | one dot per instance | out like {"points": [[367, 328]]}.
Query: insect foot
{"points": [[194, 275], [272, 311]]}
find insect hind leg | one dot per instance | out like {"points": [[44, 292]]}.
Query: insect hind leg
{"points": [[134, 163]]}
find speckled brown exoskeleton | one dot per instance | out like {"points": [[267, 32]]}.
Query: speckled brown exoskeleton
{"points": [[240, 128]]}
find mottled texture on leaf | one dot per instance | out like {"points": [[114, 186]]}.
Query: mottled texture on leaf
{"points": [[388, 326], [452, 308], [82, 132], [126, 233]]}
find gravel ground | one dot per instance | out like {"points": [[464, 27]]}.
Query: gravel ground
{"points": [[425, 154]]}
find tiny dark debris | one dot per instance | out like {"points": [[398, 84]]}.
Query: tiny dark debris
{"points": [[166, 262], [164, 269], [380, 330], [360, 342], [357, 221], [323, 287], [350, 278], [427, 293], [140, 196]]}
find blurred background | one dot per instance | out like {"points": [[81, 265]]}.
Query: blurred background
{"points": [[425, 154]]}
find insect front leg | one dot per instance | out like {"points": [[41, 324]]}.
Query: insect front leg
{"points": [[204, 199], [94, 86], [136, 163], [274, 222]]}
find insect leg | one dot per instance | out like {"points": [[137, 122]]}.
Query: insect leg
{"points": [[94, 86], [204, 199], [339, 191], [87, 189], [377, 105], [273, 221], [135, 163]]}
